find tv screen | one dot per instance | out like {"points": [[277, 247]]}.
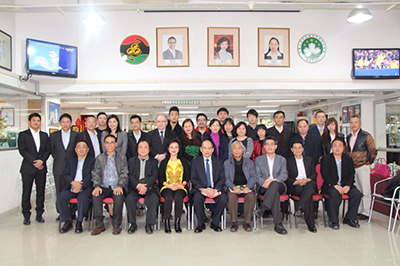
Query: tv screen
{"points": [[52, 59], [376, 63]]}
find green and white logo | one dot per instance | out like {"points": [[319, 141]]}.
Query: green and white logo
{"points": [[311, 48]]}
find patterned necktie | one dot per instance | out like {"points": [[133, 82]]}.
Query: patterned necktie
{"points": [[208, 173], [321, 131]]}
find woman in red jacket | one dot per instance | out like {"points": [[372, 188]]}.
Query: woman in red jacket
{"points": [[262, 134]]}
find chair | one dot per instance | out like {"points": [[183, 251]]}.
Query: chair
{"points": [[282, 198], [211, 201], [185, 201], [74, 201]]}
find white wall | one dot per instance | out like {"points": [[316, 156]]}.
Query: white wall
{"points": [[10, 181]]}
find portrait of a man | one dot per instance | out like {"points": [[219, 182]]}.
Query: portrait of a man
{"points": [[171, 53]]}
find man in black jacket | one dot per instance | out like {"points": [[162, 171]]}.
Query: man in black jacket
{"points": [[91, 136], [135, 136], [282, 133], [173, 123], [34, 146], [158, 138], [310, 143]]}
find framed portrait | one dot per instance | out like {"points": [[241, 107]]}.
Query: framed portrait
{"points": [[5, 51], [8, 115], [223, 47], [351, 111], [172, 47], [273, 47], [54, 114], [357, 110], [345, 114]]}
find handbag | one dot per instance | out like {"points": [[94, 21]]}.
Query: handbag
{"points": [[382, 168]]}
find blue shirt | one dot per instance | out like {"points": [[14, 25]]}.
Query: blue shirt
{"points": [[339, 171], [110, 177]]}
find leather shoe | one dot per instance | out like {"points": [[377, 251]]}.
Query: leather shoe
{"points": [[216, 228], [116, 230], [312, 228], [132, 229], [27, 221], [78, 227], [67, 226], [247, 227], [96, 231], [58, 218], [149, 229], [351, 223], [362, 217], [334, 226], [234, 227], [40, 219], [280, 229], [167, 226], [200, 228]]}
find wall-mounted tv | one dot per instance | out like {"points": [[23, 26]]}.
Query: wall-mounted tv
{"points": [[51, 59], [376, 63]]}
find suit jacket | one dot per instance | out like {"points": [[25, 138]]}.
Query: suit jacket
{"points": [[330, 174], [121, 165], [150, 173], [249, 171], [223, 146], [122, 142], [326, 146], [279, 169], [198, 174], [27, 149], [167, 55], [59, 153], [132, 144], [84, 135], [310, 146], [163, 167], [284, 146], [293, 171], [70, 172], [156, 147], [314, 131]]}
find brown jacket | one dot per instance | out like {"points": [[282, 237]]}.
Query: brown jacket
{"points": [[364, 151]]}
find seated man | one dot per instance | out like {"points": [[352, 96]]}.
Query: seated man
{"points": [[110, 176], [240, 180], [271, 176], [143, 173], [337, 170], [78, 177], [302, 182], [208, 180]]}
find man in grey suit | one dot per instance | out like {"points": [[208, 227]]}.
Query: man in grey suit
{"points": [[171, 53], [62, 144], [271, 175]]}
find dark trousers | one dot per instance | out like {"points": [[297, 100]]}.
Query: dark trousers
{"points": [[59, 184], [117, 209], [306, 202], [169, 197], [27, 183], [272, 199], [250, 200], [83, 203], [151, 200], [219, 206], [335, 199]]}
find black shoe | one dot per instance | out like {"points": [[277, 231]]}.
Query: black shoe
{"points": [[206, 220], [67, 226], [312, 228], [351, 223], [178, 225], [334, 226], [216, 228], [58, 218], [78, 227], [40, 219], [132, 229], [27, 221], [200, 228], [149, 229], [167, 226], [280, 229]]}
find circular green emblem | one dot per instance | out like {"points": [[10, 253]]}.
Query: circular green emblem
{"points": [[311, 48]]}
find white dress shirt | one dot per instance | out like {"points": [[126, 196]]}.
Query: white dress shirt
{"points": [[36, 138], [173, 52], [301, 170], [271, 166], [79, 169], [95, 142], [138, 136], [65, 138], [280, 129], [211, 169]]}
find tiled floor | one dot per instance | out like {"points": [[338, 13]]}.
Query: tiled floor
{"points": [[41, 244]]}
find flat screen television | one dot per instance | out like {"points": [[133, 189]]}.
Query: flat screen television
{"points": [[51, 59], [376, 63]]}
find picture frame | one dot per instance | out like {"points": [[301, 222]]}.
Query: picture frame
{"points": [[51, 130], [8, 114], [351, 111], [345, 114], [5, 51], [54, 114], [223, 46], [273, 47], [172, 46], [357, 110]]}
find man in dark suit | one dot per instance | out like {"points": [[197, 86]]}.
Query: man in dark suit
{"points": [[318, 129], [143, 172], [310, 143], [282, 133], [78, 180], [62, 143], [91, 136], [208, 181], [158, 138], [135, 136], [173, 123], [337, 170], [302, 182], [34, 146]]}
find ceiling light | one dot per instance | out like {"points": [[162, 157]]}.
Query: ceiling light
{"points": [[184, 107], [251, 4], [102, 107], [260, 111], [94, 19], [359, 15], [82, 102], [279, 100], [262, 106]]}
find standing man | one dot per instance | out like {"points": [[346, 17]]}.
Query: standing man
{"points": [[173, 123], [101, 122], [135, 136], [310, 143], [252, 117], [282, 133], [201, 121], [34, 147], [110, 177], [362, 150], [222, 114], [158, 138], [91, 136], [318, 129], [62, 144]]}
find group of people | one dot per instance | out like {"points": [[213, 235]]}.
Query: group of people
{"points": [[180, 165]]}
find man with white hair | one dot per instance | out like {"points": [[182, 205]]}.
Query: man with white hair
{"points": [[158, 138]]}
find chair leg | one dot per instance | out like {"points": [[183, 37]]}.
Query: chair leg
{"points": [[159, 218], [391, 214], [344, 207], [192, 221], [395, 217], [289, 214], [371, 209], [254, 218], [224, 218], [323, 212], [188, 216]]}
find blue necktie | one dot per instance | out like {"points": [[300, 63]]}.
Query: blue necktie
{"points": [[208, 173], [304, 143]]}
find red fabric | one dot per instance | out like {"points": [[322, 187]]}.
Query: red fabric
{"points": [[108, 200], [315, 197], [73, 201], [320, 181], [185, 199], [256, 150], [283, 197]]}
